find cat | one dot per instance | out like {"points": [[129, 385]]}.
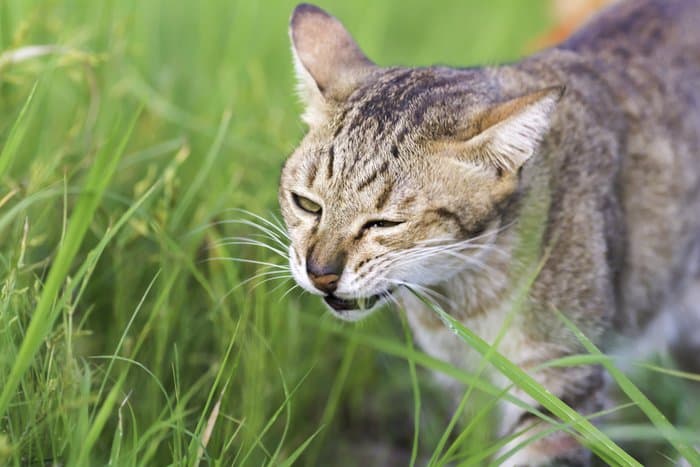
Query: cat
{"points": [[421, 177]]}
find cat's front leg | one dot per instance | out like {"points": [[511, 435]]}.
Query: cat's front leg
{"points": [[583, 390]]}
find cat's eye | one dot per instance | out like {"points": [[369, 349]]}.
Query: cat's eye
{"points": [[306, 204], [380, 224]]}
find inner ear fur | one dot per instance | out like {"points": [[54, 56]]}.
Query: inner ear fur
{"points": [[508, 134], [328, 62]]}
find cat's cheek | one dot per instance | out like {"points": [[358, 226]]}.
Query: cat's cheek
{"points": [[431, 271]]}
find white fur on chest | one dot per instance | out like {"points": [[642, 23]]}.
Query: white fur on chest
{"points": [[444, 344], [441, 342]]}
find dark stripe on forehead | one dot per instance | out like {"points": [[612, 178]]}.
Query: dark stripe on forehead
{"points": [[451, 216], [381, 103], [373, 176], [394, 150], [341, 119], [311, 174], [406, 202], [331, 161], [384, 196], [392, 79], [404, 105], [310, 249]]}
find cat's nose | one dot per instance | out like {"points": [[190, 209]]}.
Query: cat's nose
{"points": [[326, 283], [326, 277]]}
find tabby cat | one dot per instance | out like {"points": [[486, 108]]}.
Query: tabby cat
{"points": [[419, 178]]}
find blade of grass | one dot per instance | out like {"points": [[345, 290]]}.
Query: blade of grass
{"points": [[416, 393], [391, 347], [105, 411], [202, 171], [588, 359], [99, 422], [288, 412], [527, 251], [473, 423], [551, 430], [196, 441], [274, 416], [593, 438], [19, 128], [334, 395], [649, 433], [44, 316], [118, 438], [628, 387], [289, 461]]}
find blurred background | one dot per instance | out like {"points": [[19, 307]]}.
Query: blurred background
{"points": [[167, 334]]}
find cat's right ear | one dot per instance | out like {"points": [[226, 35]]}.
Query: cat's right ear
{"points": [[328, 62]]}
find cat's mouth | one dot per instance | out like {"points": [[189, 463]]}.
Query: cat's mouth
{"points": [[364, 303]]}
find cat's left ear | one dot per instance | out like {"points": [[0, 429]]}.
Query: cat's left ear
{"points": [[508, 134], [328, 62]]}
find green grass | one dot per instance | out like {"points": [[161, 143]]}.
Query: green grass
{"points": [[129, 143]]}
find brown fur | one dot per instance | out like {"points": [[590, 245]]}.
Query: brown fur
{"points": [[460, 154]]}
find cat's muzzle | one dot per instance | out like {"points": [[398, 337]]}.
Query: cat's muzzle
{"points": [[365, 303]]}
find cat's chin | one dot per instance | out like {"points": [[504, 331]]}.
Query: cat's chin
{"points": [[356, 308]]}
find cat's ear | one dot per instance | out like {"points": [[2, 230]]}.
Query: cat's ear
{"points": [[328, 62], [509, 133]]}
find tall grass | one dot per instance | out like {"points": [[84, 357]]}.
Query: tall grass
{"points": [[140, 140]]}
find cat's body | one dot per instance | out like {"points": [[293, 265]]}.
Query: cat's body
{"points": [[612, 163]]}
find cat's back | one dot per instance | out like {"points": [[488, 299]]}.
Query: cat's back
{"points": [[640, 27], [644, 58]]}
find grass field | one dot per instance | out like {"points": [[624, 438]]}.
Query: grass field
{"points": [[132, 137]]}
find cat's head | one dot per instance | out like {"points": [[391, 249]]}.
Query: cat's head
{"points": [[404, 172]]}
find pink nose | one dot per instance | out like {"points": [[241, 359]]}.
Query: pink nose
{"points": [[326, 283]]}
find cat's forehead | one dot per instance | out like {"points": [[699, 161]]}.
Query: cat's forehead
{"points": [[409, 95], [351, 180], [401, 108], [380, 134]]}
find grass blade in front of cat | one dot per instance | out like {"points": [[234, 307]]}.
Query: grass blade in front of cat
{"points": [[646, 406], [591, 436]]}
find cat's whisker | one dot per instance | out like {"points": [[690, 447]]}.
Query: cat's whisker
{"points": [[278, 228], [427, 291], [280, 224], [292, 288], [449, 241], [279, 276], [283, 278], [410, 258], [264, 225], [462, 245], [271, 234], [428, 294], [390, 297], [469, 260], [276, 275], [230, 241], [420, 254], [248, 261], [249, 213]]}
